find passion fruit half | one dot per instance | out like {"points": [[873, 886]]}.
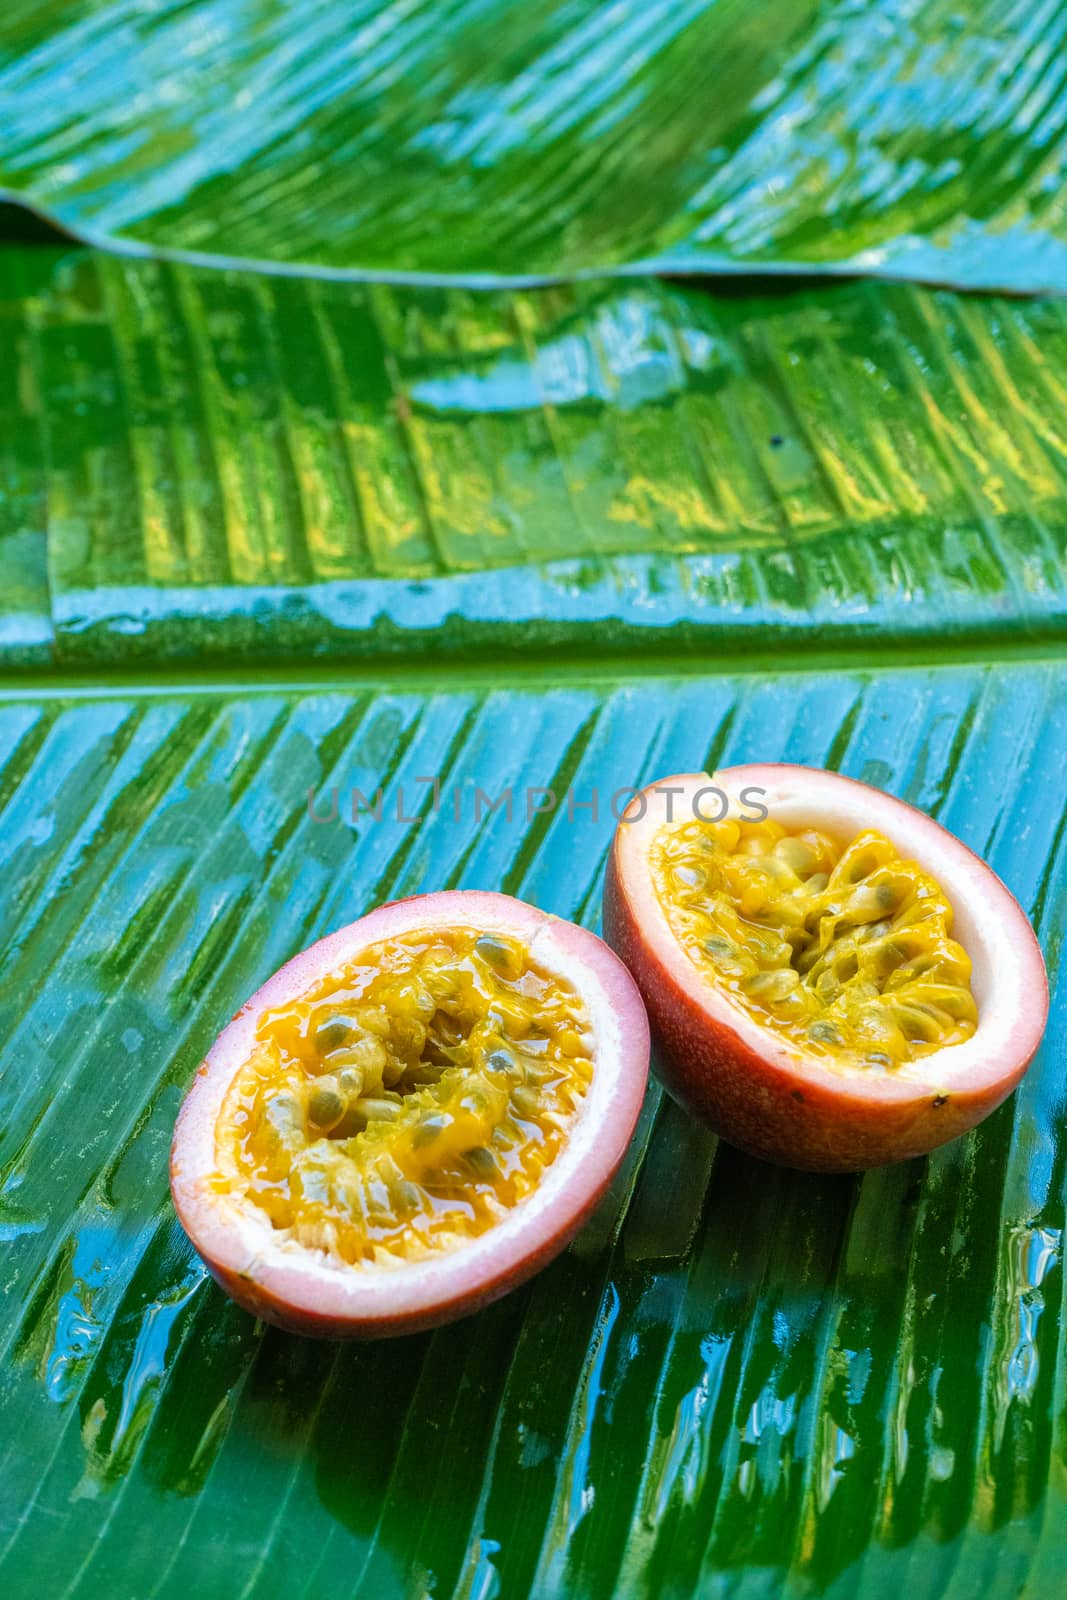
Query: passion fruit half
{"points": [[412, 1116], [834, 981]]}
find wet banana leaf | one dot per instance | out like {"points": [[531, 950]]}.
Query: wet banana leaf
{"points": [[738, 1381], [213, 465], [26, 635], [480, 139]]}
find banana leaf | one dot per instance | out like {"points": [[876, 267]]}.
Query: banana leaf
{"points": [[482, 140], [219, 466], [26, 636], [738, 1381]]}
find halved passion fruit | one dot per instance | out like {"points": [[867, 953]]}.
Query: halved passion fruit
{"points": [[834, 981], [412, 1116]]}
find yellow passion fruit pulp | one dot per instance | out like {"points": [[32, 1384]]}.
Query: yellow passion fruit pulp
{"points": [[844, 948], [406, 1102]]}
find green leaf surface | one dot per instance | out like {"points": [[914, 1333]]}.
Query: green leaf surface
{"points": [[229, 466], [26, 635], [482, 139], [737, 1382]]}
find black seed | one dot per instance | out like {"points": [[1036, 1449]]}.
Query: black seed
{"points": [[797, 1095], [500, 956], [428, 1129], [326, 1106], [824, 1032], [482, 1161], [334, 1032], [406, 1195], [940, 1100]]}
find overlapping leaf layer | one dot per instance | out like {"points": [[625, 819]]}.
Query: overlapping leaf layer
{"points": [[482, 140], [229, 465]]}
